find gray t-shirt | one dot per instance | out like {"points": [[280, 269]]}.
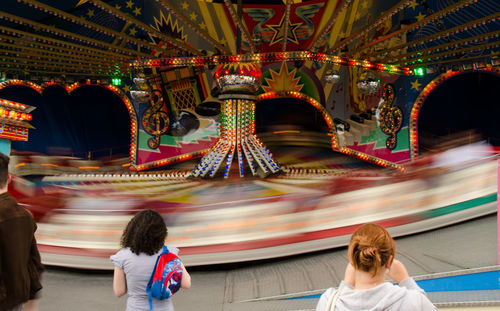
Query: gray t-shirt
{"points": [[407, 296], [138, 269]]}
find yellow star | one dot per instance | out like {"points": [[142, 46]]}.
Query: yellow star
{"points": [[126, 88], [193, 16], [413, 4], [364, 4], [279, 32], [90, 13], [203, 26], [185, 5], [137, 11], [223, 41], [118, 7], [132, 31], [415, 85], [129, 4], [420, 16]]}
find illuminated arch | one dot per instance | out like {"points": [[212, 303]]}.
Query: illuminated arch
{"points": [[131, 111], [29, 84], [70, 88], [52, 83], [313, 102], [331, 125], [421, 99]]}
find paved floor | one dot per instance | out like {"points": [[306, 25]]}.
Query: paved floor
{"points": [[254, 286]]}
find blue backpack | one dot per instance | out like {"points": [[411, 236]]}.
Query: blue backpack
{"points": [[166, 277]]}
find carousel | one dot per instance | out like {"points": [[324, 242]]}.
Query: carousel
{"points": [[259, 129]]}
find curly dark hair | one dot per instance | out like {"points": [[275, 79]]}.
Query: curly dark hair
{"points": [[145, 233]]}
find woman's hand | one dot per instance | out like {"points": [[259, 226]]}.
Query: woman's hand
{"points": [[397, 271]]}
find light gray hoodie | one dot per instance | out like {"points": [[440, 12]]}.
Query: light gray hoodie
{"points": [[407, 296]]}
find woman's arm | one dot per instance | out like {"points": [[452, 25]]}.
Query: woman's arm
{"points": [[397, 271], [186, 278], [119, 282]]}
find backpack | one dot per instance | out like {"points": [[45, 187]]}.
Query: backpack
{"points": [[166, 277]]}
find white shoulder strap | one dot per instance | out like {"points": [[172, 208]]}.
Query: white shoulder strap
{"points": [[330, 306]]}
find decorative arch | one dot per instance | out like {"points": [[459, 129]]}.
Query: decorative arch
{"points": [[316, 104], [417, 105], [131, 112], [333, 130], [52, 83], [29, 84], [70, 88]]}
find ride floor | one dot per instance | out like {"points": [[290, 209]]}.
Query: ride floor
{"points": [[269, 285]]}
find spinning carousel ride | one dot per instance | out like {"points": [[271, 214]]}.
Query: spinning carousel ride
{"points": [[222, 98]]}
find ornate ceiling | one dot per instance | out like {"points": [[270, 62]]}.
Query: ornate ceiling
{"points": [[93, 38]]}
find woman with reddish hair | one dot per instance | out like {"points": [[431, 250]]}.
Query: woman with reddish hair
{"points": [[371, 258]]}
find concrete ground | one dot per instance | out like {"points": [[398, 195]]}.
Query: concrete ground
{"points": [[260, 285]]}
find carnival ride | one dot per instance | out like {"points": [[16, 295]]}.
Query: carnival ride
{"points": [[197, 74], [315, 204]]}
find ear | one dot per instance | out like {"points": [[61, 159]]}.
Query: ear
{"points": [[389, 262], [9, 179]]}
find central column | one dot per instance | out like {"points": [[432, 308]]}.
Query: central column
{"points": [[238, 84]]}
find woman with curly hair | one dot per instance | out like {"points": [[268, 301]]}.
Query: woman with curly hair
{"points": [[371, 258], [142, 241]]}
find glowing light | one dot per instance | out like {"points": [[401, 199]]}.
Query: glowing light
{"points": [[419, 71], [116, 81]]}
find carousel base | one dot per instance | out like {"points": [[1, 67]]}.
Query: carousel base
{"points": [[219, 222]]}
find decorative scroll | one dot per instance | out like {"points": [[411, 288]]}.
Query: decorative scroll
{"points": [[154, 120], [390, 117]]}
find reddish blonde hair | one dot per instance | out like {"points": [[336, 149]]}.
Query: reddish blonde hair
{"points": [[370, 248]]}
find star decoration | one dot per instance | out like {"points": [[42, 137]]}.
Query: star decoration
{"points": [[203, 26], [126, 88], [413, 4], [90, 13], [283, 81], [137, 11], [118, 7], [185, 5], [129, 4], [420, 16], [193, 16], [279, 32], [415, 85], [132, 31]]}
